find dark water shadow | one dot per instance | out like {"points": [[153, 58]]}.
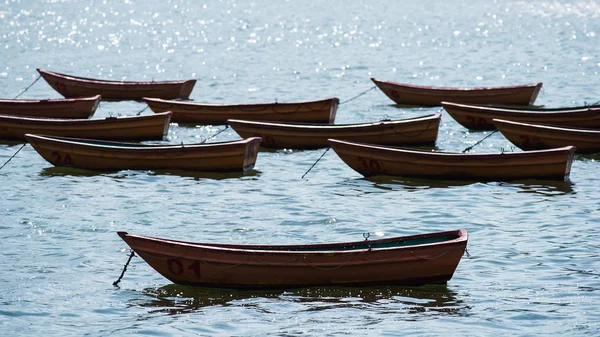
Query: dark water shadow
{"points": [[587, 156], [10, 143], [179, 299], [543, 187], [390, 183], [75, 172]]}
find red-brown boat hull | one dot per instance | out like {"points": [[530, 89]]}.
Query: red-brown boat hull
{"points": [[372, 160], [234, 156], [408, 94], [72, 108], [239, 266], [321, 111], [73, 86]]}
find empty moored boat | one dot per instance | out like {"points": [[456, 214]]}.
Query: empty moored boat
{"points": [[372, 160], [75, 108], [409, 260], [479, 117], [233, 156], [321, 111], [74, 86], [147, 127], [413, 131], [432, 96], [534, 137]]}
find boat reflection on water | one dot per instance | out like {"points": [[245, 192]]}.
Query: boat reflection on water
{"points": [[196, 175], [175, 299]]}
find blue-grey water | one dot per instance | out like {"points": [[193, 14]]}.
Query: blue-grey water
{"points": [[533, 268]]}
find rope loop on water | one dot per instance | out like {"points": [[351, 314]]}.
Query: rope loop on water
{"points": [[357, 96], [479, 142], [11, 157], [313, 165], [22, 92], [116, 283]]}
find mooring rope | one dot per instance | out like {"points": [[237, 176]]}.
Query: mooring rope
{"points": [[479, 142], [11, 157], [116, 283], [357, 96], [144, 109], [313, 165], [22, 92], [216, 134]]}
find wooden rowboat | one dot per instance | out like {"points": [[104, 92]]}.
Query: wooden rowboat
{"points": [[321, 111], [233, 156], [533, 137], [422, 95], [479, 117], [82, 107], [73, 86], [372, 160], [147, 127], [409, 260], [413, 131]]}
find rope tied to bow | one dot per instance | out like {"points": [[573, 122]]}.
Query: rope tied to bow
{"points": [[357, 96], [116, 283], [22, 92]]}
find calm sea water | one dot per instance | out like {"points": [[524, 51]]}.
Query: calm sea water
{"points": [[534, 266]]}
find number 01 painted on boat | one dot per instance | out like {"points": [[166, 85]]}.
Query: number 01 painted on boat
{"points": [[176, 267]]}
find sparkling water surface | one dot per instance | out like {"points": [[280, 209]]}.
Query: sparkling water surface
{"points": [[533, 266]]}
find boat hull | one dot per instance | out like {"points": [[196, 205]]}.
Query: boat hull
{"points": [[148, 127], [478, 117], [71, 108], [264, 267], [73, 86], [235, 156], [534, 137], [433, 96], [370, 160], [414, 131], [322, 111]]}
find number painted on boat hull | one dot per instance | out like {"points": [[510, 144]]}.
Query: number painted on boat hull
{"points": [[176, 267], [61, 159], [370, 165]]}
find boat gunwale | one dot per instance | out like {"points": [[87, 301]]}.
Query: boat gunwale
{"points": [[52, 100], [320, 126], [570, 129], [128, 146], [461, 236], [64, 121], [432, 154], [485, 109]]}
